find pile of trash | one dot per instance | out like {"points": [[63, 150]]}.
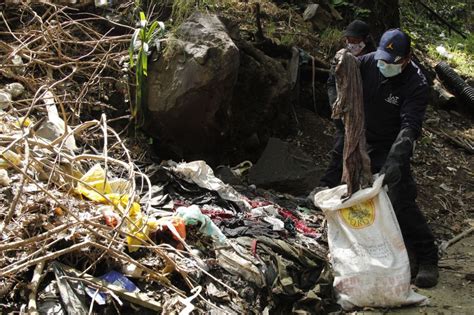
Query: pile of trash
{"points": [[86, 227], [83, 228]]}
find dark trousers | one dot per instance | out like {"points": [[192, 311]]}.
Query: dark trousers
{"points": [[415, 230]]}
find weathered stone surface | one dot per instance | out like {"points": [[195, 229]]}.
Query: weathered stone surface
{"points": [[261, 103], [285, 168], [191, 86], [319, 17], [213, 92]]}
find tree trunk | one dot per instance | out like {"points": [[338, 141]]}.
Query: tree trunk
{"points": [[384, 15]]}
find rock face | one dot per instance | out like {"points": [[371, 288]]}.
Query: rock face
{"points": [[285, 168], [191, 86], [212, 92], [260, 103]]}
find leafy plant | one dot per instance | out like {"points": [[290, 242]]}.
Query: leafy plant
{"points": [[331, 40], [339, 2], [181, 9], [361, 13], [140, 48], [439, 43]]}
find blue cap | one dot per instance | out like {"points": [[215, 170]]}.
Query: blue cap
{"points": [[394, 45]]}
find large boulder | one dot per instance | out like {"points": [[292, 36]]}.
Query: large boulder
{"points": [[260, 104], [191, 86], [215, 96], [286, 168]]}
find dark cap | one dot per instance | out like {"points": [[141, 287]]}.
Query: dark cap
{"points": [[394, 45], [357, 28]]}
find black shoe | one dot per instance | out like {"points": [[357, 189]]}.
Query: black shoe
{"points": [[427, 276]]}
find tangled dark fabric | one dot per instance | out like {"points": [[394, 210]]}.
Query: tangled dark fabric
{"points": [[349, 107]]}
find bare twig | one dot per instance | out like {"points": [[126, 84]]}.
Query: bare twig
{"points": [[444, 245], [33, 286]]}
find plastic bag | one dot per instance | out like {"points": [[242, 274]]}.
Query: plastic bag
{"points": [[54, 127], [192, 215], [115, 278], [11, 156], [370, 261], [202, 175], [112, 192]]}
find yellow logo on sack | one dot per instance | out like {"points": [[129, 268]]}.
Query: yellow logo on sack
{"points": [[359, 216]]}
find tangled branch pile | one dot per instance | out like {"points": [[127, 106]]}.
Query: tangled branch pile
{"points": [[78, 56], [75, 205], [66, 59]]}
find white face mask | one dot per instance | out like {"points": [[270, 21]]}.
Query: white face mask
{"points": [[355, 49], [389, 70]]}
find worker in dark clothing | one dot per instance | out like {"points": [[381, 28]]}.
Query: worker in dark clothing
{"points": [[395, 99], [358, 42]]}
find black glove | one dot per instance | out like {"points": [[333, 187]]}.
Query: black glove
{"points": [[399, 155], [392, 173]]}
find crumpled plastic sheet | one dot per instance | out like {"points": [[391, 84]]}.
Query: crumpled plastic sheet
{"points": [[73, 294], [192, 215], [114, 192], [201, 174]]}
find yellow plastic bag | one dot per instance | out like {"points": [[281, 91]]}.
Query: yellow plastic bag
{"points": [[113, 192], [95, 178], [11, 156], [22, 122]]}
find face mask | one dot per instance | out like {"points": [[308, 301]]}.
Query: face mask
{"points": [[389, 70], [355, 49]]}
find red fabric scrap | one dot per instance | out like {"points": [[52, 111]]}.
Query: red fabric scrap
{"points": [[300, 225]]}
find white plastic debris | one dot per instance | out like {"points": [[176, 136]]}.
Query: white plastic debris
{"points": [[5, 99], [54, 127], [15, 89], [277, 224], [19, 66], [241, 265], [132, 270], [102, 3], [443, 52], [4, 179], [202, 174]]}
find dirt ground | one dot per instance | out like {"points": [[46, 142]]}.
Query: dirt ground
{"points": [[443, 171], [454, 293]]}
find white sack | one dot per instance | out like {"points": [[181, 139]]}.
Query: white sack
{"points": [[370, 261]]}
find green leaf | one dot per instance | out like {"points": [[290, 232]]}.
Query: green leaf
{"points": [[142, 19], [145, 65], [337, 2], [131, 48], [152, 28]]}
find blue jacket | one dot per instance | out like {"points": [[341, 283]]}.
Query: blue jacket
{"points": [[392, 104]]}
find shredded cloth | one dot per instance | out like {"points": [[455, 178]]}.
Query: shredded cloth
{"points": [[349, 107]]}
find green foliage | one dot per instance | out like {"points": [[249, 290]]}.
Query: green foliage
{"points": [[428, 33], [181, 9], [339, 2], [356, 11], [139, 50], [361, 13], [457, 55], [331, 41]]}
